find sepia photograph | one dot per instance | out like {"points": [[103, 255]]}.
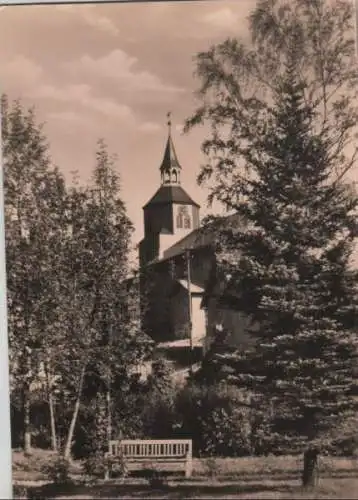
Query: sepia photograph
{"points": [[180, 213]]}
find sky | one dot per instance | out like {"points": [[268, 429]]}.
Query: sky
{"points": [[113, 72]]}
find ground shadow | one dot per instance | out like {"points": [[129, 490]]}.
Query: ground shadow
{"points": [[211, 490], [194, 487]]}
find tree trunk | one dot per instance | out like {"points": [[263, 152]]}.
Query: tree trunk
{"points": [[310, 468], [109, 415], [27, 422], [27, 403], [68, 446], [52, 410], [52, 422]]}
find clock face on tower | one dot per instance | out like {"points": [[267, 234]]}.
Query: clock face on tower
{"points": [[183, 220]]}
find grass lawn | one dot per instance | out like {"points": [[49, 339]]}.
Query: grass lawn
{"points": [[242, 478]]}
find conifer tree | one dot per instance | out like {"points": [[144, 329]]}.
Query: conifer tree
{"points": [[295, 280], [278, 159]]}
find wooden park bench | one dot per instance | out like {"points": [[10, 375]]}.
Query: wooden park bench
{"points": [[152, 454]]}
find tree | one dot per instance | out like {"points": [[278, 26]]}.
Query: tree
{"points": [[282, 117], [103, 329], [74, 319], [34, 192]]}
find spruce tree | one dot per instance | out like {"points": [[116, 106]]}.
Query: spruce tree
{"points": [[291, 272], [282, 114]]}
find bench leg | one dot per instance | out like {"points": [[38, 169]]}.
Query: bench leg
{"points": [[107, 471], [188, 467]]}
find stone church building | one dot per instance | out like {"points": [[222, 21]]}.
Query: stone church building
{"points": [[181, 299]]}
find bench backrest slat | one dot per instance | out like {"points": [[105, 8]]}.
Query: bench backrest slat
{"points": [[151, 447]]}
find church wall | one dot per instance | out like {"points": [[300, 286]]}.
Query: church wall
{"points": [[157, 218], [148, 249], [166, 241], [160, 221], [156, 304], [180, 316], [201, 262], [199, 322], [195, 216]]}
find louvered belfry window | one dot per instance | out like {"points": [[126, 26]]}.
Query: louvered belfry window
{"points": [[183, 218]]}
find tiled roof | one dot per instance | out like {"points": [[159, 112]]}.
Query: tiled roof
{"points": [[200, 237], [171, 194], [193, 288]]}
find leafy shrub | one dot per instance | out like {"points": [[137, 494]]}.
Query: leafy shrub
{"points": [[216, 418], [97, 465], [156, 479], [211, 466], [58, 471], [158, 417], [19, 491]]}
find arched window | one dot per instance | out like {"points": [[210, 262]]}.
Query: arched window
{"points": [[180, 221], [175, 176], [183, 218]]}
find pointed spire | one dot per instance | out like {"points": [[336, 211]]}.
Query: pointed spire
{"points": [[170, 167]]}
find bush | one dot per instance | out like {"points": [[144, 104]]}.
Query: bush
{"points": [[58, 471], [211, 466], [19, 491], [216, 418], [97, 465], [155, 478], [158, 417]]}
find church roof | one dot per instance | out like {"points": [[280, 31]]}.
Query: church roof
{"points": [[171, 194], [193, 288], [170, 159], [180, 343], [203, 236]]}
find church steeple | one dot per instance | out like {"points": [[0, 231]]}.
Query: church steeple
{"points": [[170, 167], [171, 213]]}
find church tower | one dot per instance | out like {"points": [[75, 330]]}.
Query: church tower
{"points": [[170, 214]]}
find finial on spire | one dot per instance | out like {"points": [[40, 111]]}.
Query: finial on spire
{"points": [[170, 167], [169, 116]]}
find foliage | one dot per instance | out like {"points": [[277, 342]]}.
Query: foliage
{"points": [[216, 418], [20, 491], [58, 470], [282, 114], [34, 210], [97, 465], [160, 381], [211, 467], [147, 409], [156, 479], [74, 318], [212, 369], [109, 342]]}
